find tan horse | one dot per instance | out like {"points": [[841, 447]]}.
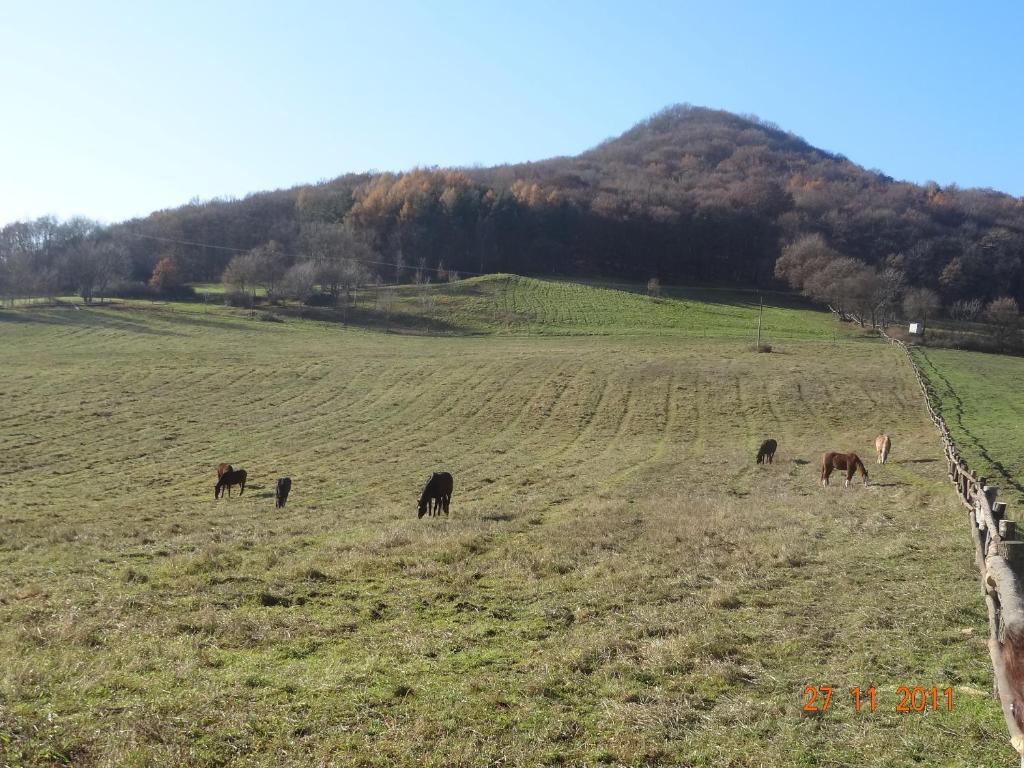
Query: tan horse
{"points": [[848, 462], [882, 447]]}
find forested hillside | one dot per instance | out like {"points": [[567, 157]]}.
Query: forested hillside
{"points": [[690, 195]]}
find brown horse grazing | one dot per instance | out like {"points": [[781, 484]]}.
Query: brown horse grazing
{"points": [[766, 452], [234, 477], [849, 462], [222, 468], [437, 494], [882, 447]]}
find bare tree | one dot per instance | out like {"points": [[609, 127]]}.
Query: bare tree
{"points": [[300, 281], [1004, 315], [341, 258], [921, 304], [966, 310], [803, 259], [427, 298], [385, 303], [90, 266]]}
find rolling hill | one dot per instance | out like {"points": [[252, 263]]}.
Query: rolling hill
{"points": [[688, 195]]}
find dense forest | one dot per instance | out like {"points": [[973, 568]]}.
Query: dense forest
{"points": [[688, 196]]}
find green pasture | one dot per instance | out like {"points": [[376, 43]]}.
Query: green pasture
{"points": [[618, 582], [981, 396]]}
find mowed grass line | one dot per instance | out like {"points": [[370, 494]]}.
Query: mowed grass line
{"points": [[618, 583], [981, 396]]}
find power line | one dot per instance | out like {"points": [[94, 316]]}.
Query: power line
{"points": [[188, 242]]}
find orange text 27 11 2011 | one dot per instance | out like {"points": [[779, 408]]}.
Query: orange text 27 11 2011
{"points": [[907, 699]]}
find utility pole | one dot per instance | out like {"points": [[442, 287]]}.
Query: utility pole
{"points": [[760, 314]]}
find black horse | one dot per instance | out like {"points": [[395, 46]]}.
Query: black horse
{"points": [[234, 477], [437, 490], [766, 452], [284, 487]]}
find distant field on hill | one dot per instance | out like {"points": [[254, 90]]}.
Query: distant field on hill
{"points": [[510, 304], [618, 582], [982, 400]]}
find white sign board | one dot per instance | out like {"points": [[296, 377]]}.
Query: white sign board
{"points": [[915, 328]]}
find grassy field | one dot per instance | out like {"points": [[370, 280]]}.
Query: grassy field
{"points": [[618, 583], [514, 305], [982, 399]]}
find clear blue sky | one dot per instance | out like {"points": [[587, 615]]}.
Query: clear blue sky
{"points": [[112, 110]]}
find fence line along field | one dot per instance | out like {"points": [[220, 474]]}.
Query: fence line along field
{"points": [[618, 582]]}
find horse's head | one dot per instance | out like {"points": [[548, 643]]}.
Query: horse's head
{"points": [[422, 508], [216, 491]]}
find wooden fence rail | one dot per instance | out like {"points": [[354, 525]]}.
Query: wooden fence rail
{"points": [[1000, 560]]}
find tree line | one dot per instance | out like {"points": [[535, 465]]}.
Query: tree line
{"points": [[688, 196]]}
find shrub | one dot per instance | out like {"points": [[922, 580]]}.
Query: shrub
{"points": [[238, 299], [136, 289], [319, 300]]}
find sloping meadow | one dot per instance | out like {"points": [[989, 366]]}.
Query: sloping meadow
{"points": [[618, 582]]}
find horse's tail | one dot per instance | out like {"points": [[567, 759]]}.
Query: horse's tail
{"points": [[886, 447]]}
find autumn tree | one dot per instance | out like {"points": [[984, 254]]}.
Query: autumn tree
{"points": [[166, 275]]}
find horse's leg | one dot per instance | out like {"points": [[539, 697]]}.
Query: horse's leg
{"points": [[241, 488], [447, 502]]}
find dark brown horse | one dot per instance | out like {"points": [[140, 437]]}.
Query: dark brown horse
{"points": [[232, 477], [437, 494], [222, 468], [284, 487], [766, 452], [848, 462]]}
